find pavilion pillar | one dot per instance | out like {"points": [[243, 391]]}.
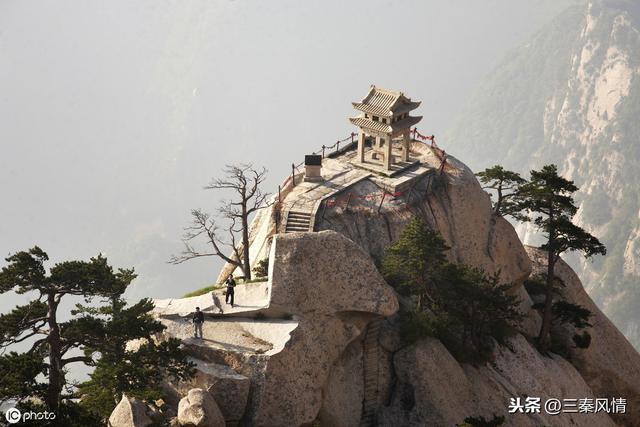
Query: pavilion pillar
{"points": [[405, 147], [387, 152], [377, 143], [361, 146]]}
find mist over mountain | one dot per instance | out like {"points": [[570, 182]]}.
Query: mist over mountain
{"points": [[571, 96]]}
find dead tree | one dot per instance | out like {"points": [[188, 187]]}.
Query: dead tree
{"points": [[244, 180]]}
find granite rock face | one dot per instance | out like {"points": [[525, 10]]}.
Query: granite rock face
{"points": [[334, 289], [130, 412], [229, 389], [434, 389], [199, 409], [308, 354], [277, 371], [570, 96], [610, 365], [453, 203]]}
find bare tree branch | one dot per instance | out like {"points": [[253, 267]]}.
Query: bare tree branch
{"points": [[245, 180]]}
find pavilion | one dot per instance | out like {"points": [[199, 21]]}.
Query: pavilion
{"points": [[385, 118]]}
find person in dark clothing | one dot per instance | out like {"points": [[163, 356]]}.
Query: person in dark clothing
{"points": [[198, 320], [231, 284]]}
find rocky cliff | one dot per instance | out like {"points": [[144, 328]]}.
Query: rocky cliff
{"points": [[318, 342], [571, 96]]}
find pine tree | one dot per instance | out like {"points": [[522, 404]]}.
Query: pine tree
{"points": [[412, 261], [548, 197], [99, 335], [461, 305], [38, 321], [506, 185], [138, 372], [473, 306]]}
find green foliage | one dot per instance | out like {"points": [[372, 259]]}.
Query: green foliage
{"points": [[548, 198], [411, 262], [202, 291], [416, 324], [37, 321], [262, 269], [506, 185], [573, 314], [18, 372], [472, 307], [535, 285], [461, 305], [563, 312], [14, 323], [99, 333], [480, 421], [136, 372]]}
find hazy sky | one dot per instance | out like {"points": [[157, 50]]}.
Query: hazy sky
{"points": [[113, 115]]}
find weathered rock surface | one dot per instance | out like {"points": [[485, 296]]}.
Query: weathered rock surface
{"points": [[434, 389], [326, 273], [130, 412], [332, 286], [313, 365], [611, 366], [199, 409], [332, 289], [570, 96], [452, 203], [229, 389]]}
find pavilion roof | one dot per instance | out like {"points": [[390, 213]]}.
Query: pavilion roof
{"points": [[385, 102], [385, 127]]}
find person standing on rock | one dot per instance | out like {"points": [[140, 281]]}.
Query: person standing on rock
{"points": [[198, 320], [231, 284]]}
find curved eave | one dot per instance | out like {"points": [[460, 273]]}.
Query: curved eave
{"points": [[406, 123], [405, 108], [370, 125], [366, 108]]}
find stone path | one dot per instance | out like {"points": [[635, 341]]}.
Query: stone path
{"points": [[249, 297], [238, 335]]}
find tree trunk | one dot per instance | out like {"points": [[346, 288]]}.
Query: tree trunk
{"points": [[246, 267], [547, 314], [56, 376]]}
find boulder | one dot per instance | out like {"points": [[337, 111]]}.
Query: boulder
{"points": [[199, 409], [229, 389], [130, 412], [334, 289], [326, 273]]}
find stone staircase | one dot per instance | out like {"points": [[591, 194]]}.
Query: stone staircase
{"points": [[298, 221], [370, 360]]}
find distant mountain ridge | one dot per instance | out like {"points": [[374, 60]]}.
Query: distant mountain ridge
{"points": [[571, 96]]}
